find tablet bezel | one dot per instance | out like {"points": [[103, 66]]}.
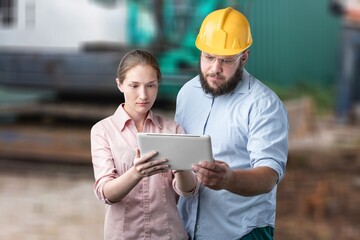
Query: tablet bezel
{"points": [[181, 150]]}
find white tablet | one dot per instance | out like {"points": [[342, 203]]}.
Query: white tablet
{"points": [[181, 150]]}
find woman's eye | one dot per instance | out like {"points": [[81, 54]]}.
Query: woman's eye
{"points": [[153, 84]]}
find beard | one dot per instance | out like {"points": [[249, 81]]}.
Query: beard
{"points": [[223, 88]]}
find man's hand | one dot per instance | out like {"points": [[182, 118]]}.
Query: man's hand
{"points": [[215, 175], [218, 175]]}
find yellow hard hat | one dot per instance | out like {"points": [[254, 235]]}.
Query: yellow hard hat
{"points": [[224, 32]]}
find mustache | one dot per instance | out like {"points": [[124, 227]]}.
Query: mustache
{"points": [[217, 75]]}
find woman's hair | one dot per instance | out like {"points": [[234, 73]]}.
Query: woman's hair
{"points": [[135, 58]]}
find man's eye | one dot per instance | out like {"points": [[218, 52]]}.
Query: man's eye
{"points": [[227, 61], [209, 58]]}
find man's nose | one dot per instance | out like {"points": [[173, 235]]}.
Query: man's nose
{"points": [[216, 66]]}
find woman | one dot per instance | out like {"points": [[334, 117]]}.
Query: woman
{"points": [[140, 195]]}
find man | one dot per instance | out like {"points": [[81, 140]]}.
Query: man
{"points": [[348, 79], [248, 126]]}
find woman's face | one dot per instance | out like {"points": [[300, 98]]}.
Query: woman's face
{"points": [[140, 88]]}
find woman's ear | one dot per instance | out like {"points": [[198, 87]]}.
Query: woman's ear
{"points": [[119, 85]]}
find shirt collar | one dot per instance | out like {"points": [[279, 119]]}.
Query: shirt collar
{"points": [[123, 118], [245, 84]]}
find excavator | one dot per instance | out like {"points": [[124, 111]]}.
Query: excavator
{"points": [[74, 47]]}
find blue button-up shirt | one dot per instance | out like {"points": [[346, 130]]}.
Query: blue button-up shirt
{"points": [[248, 129]]}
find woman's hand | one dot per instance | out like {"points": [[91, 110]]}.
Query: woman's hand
{"points": [[144, 167], [116, 189]]}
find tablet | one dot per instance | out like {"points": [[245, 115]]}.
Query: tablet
{"points": [[181, 150]]}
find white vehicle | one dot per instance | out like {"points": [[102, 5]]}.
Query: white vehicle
{"points": [[75, 46]]}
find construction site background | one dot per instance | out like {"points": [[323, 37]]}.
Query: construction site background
{"points": [[50, 99]]}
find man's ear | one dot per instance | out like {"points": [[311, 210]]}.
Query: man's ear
{"points": [[245, 57], [119, 85]]}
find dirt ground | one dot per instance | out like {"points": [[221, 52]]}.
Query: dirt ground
{"points": [[318, 205], [319, 198], [48, 202]]}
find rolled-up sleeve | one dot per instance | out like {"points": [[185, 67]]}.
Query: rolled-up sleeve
{"points": [[268, 141], [102, 159], [185, 194]]}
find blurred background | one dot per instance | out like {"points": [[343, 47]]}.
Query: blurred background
{"points": [[58, 62]]}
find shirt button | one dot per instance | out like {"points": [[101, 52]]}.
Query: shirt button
{"points": [[197, 227]]}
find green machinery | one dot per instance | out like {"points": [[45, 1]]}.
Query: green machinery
{"points": [[172, 35]]}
